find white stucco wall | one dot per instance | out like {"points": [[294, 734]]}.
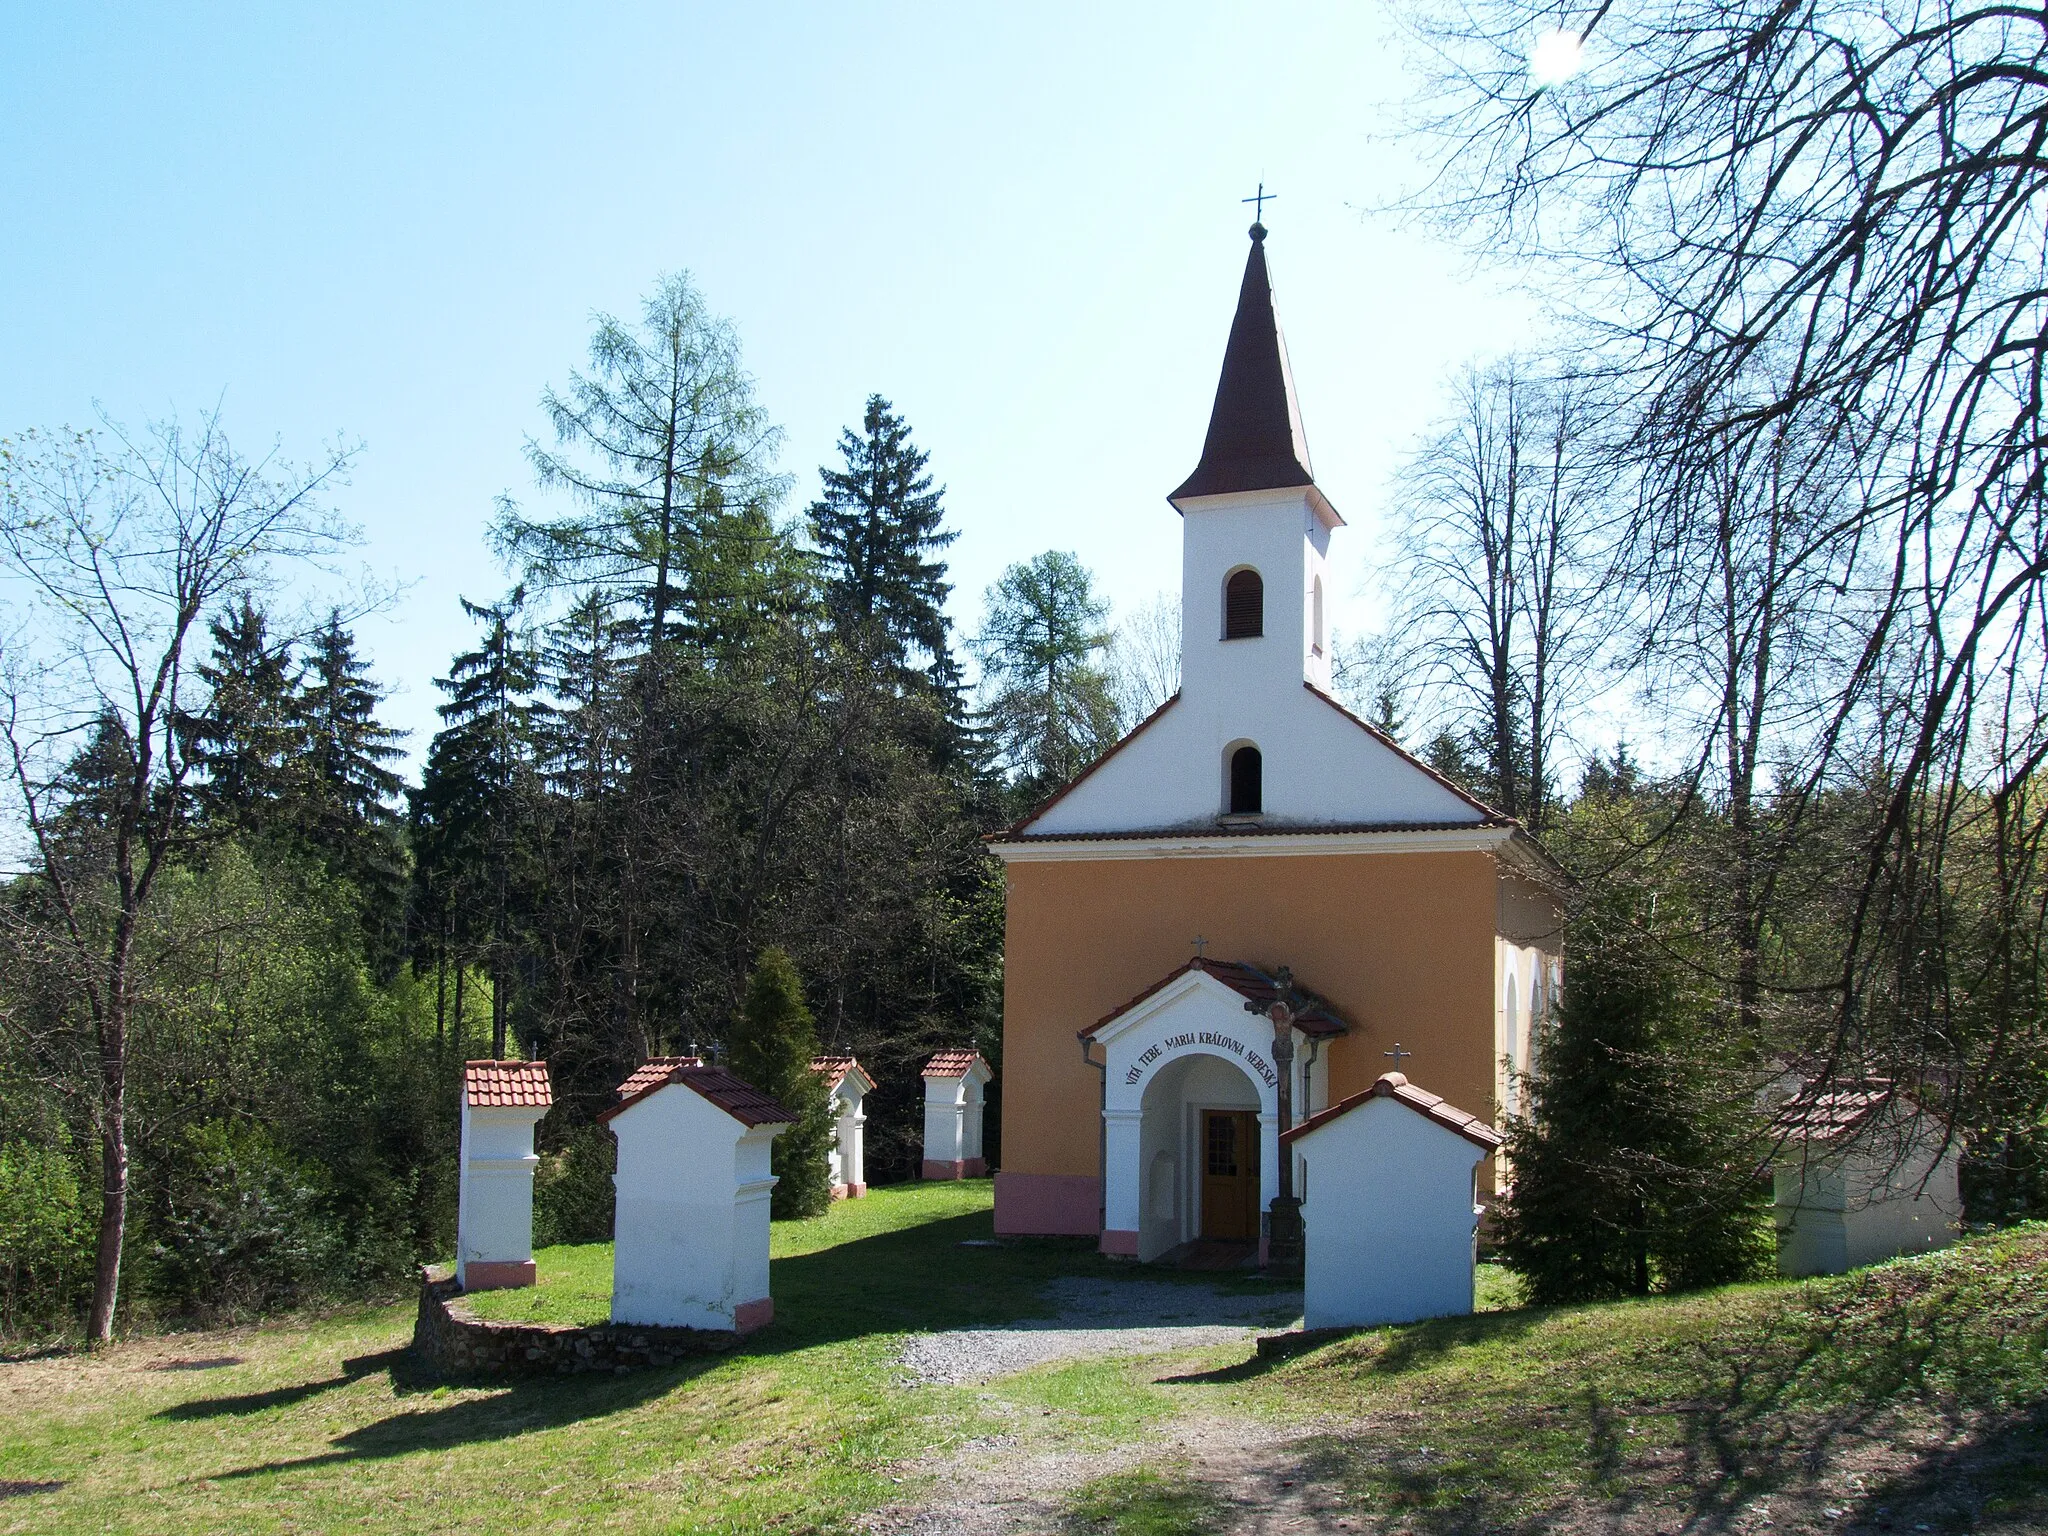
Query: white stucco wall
{"points": [[1526, 978], [953, 1111], [1280, 535], [1868, 1202], [1318, 766], [494, 1200], [691, 1238], [1389, 1218], [849, 1137]]}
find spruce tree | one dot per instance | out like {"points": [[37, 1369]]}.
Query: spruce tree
{"points": [[470, 811], [877, 527], [586, 657], [93, 789], [349, 786], [772, 1046], [1636, 1165], [244, 744]]}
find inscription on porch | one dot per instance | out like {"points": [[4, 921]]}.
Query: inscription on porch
{"points": [[1254, 1062]]}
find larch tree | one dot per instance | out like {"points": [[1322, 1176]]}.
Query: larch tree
{"points": [[658, 447], [1045, 695], [665, 457]]}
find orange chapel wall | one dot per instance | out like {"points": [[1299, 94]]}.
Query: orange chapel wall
{"points": [[1402, 944]]}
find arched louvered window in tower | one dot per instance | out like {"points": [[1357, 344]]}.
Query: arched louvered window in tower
{"points": [[1247, 786], [1244, 606]]}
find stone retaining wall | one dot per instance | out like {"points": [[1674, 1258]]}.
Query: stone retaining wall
{"points": [[454, 1343]]}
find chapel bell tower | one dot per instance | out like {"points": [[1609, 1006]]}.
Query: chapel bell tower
{"points": [[1255, 534]]}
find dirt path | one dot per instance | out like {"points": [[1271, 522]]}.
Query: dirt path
{"points": [[1258, 1476], [1103, 1317]]}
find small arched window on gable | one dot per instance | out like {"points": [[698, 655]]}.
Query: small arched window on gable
{"points": [[1247, 782], [1244, 606]]}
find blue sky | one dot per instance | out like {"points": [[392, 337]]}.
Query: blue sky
{"points": [[1021, 225]]}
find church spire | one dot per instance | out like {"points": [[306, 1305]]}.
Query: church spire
{"points": [[1255, 440]]}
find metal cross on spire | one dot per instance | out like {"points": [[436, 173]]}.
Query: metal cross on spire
{"points": [[1397, 1053], [1259, 202]]}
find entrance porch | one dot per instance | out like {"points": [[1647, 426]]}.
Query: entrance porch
{"points": [[1191, 1111]]}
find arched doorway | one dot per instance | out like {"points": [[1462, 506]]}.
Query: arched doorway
{"points": [[1200, 1146]]}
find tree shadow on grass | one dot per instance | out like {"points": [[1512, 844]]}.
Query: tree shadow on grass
{"points": [[1996, 1478], [521, 1407], [1385, 1351], [1781, 1401], [901, 1281], [921, 1278], [398, 1361]]}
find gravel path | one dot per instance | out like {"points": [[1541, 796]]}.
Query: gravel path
{"points": [[1102, 1317]]}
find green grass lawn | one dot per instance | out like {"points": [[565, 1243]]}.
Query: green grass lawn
{"points": [[816, 1261], [1920, 1384], [799, 1430], [1523, 1420]]}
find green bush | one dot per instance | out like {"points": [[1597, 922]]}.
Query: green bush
{"points": [[242, 1228], [46, 1239], [773, 1044], [1635, 1168], [573, 1196]]}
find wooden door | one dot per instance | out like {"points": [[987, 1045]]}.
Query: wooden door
{"points": [[1230, 1174]]}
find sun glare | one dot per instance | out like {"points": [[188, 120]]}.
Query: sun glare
{"points": [[1555, 58]]}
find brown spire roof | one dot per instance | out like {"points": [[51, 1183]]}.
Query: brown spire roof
{"points": [[1255, 440]]}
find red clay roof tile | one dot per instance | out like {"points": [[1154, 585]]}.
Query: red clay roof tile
{"points": [[738, 1098], [1395, 1086], [655, 1069], [952, 1063], [835, 1068], [1249, 982], [1838, 1113], [507, 1085]]}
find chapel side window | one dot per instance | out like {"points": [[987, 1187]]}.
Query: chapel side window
{"points": [[1244, 606], [1247, 786]]}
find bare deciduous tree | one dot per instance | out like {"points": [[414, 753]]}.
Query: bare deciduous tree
{"points": [[1497, 515], [1790, 222], [1143, 658], [117, 548]]}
